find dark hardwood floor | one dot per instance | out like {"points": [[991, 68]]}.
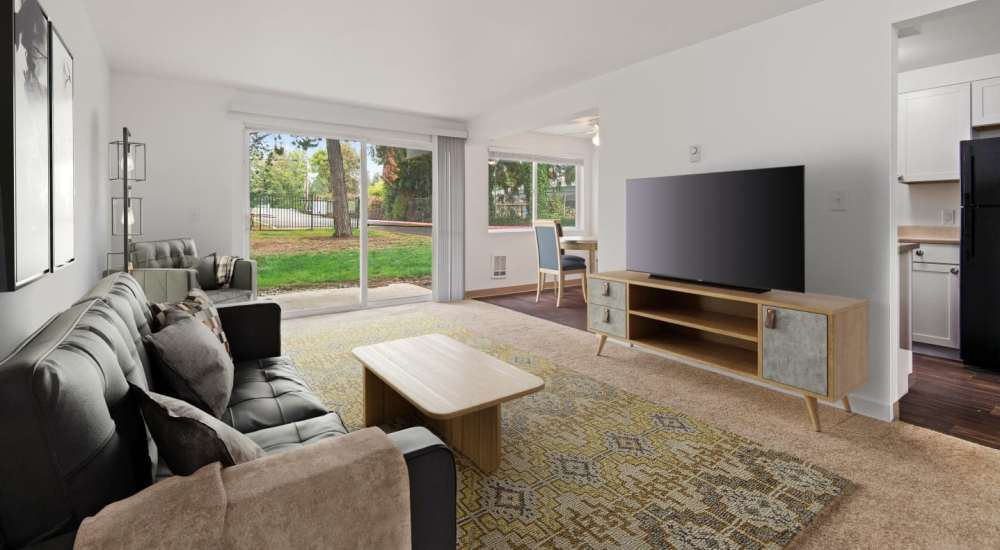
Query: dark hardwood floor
{"points": [[572, 312], [947, 397], [944, 396]]}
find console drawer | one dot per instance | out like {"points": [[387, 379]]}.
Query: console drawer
{"points": [[606, 293], [609, 320]]}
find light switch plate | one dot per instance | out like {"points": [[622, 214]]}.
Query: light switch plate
{"points": [[838, 201], [948, 216], [694, 153]]}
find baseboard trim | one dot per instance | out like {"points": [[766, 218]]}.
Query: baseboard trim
{"points": [[516, 289]]}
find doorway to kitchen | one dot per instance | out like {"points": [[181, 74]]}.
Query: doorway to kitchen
{"points": [[338, 224], [948, 168]]}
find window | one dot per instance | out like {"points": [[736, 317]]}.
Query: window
{"points": [[526, 189]]}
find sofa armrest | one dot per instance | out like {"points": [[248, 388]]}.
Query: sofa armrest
{"points": [[166, 285], [245, 276], [253, 329], [431, 468], [349, 491]]}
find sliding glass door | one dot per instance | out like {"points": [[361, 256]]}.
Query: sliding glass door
{"points": [[338, 224], [399, 250]]}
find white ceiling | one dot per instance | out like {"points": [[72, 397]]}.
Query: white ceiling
{"points": [[582, 127], [450, 58], [964, 32]]}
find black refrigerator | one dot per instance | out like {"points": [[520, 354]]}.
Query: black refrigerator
{"points": [[980, 263]]}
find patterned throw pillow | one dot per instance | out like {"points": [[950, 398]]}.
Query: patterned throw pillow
{"points": [[198, 305]]}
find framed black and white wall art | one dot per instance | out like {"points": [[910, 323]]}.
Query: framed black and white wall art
{"points": [[25, 182], [62, 152]]}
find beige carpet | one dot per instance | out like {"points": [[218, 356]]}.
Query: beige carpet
{"points": [[913, 488]]}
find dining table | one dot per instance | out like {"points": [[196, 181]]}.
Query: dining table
{"points": [[587, 243]]}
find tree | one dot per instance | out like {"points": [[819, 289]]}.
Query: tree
{"points": [[304, 144], [320, 164], [338, 189]]}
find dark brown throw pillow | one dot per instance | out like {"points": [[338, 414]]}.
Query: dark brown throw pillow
{"points": [[207, 278], [199, 305], [191, 363], [189, 439]]}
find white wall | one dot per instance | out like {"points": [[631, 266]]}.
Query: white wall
{"points": [[813, 87], [195, 143], [921, 204], [25, 310], [517, 244]]}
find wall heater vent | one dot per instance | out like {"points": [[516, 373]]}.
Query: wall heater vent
{"points": [[499, 267]]}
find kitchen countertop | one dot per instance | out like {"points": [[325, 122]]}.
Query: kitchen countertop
{"points": [[929, 234]]}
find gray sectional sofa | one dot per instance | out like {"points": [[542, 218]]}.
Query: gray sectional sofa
{"points": [[74, 440]]}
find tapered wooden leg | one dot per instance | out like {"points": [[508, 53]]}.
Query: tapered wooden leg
{"points": [[813, 412], [847, 404], [561, 281], [601, 340], [585, 299], [541, 283]]}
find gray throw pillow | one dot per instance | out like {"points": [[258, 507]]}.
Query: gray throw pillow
{"points": [[207, 278], [192, 364], [189, 439]]}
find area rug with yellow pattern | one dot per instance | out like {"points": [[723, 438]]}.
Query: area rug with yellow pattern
{"points": [[588, 465]]}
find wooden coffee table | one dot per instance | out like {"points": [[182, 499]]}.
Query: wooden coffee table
{"points": [[456, 390]]}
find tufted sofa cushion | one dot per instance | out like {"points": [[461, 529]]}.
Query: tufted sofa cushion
{"points": [[125, 296], [73, 440], [269, 392], [171, 253], [279, 439]]}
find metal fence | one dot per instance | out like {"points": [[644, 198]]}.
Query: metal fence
{"points": [[413, 209], [270, 212]]}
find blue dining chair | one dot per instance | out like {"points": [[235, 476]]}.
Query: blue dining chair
{"points": [[552, 260]]}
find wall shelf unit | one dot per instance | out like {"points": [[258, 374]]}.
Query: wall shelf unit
{"points": [[813, 344]]}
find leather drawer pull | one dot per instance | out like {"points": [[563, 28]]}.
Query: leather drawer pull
{"points": [[606, 289], [606, 316], [771, 318]]}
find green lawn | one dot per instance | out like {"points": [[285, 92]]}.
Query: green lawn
{"points": [[341, 267]]}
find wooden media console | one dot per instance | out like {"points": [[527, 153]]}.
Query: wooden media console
{"points": [[812, 344]]}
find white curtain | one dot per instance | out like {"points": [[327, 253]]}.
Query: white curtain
{"points": [[449, 221]]}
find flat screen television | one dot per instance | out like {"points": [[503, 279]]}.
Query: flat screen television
{"points": [[736, 229]]}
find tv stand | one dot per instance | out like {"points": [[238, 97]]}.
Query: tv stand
{"points": [[812, 344], [712, 285]]}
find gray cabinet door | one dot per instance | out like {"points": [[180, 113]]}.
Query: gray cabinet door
{"points": [[795, 349]]}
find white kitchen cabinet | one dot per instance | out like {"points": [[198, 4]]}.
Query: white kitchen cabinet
{"points": [[935, 307], [986, 102], [931, 125]]}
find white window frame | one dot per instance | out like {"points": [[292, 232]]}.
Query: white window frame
{"points": [[535, 160]]}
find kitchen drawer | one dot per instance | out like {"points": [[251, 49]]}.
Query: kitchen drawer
{"points": [[938, 254], [609, 320], [795, 349], [606, 293]]}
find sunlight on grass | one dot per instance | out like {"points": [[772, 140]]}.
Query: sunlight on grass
{"points": [[341, 267]]}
